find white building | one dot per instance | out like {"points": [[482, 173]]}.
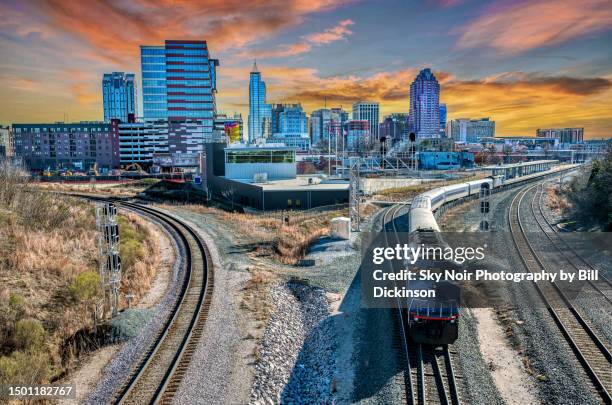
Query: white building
{"points": [[368, 111]]}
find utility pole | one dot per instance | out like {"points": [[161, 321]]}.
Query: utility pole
{"points": [[110, 262], [485, 205], [354, 185]]}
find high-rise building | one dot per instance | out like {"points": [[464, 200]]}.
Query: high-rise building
{"points": [[179, 82], [565, 135], [424, 118], [369, 111], [119, 96], [394, 127], [259, 111], [319, 121], [76, 145], [290, 126], [443, 120], [471, 131], [327, 125]]}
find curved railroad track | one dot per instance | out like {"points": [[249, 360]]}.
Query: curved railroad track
{"points": [[602, 286], [429, 373], [158, 373], [589, 349]]}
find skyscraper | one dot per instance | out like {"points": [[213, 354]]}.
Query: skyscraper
{"points": [[424, 118], [259, 111], [290, 126], [118, 95], [319, 120], [369, 111], [179, 82], [442, 120]]}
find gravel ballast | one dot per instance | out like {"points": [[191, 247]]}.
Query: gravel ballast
{"points": [[296, 354]]}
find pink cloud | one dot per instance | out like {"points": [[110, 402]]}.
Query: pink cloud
{"points": [[533, 24], [333, 34]]}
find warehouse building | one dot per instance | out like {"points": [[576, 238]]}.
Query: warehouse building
{"points": [[264, 178]]}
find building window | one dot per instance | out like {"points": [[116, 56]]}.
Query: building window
{"points": [[289, 203], [298, 202]]}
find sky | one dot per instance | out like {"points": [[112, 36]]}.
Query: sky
{"points": [[525, 64]]}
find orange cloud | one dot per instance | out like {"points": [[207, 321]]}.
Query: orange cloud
{"points": [[115, 29], [518, 102], [332, 34], [532, 24]]}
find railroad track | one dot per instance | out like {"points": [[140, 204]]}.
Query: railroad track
{"points": [[429, 374], [157, 375], [602, 286], [589, 349]]}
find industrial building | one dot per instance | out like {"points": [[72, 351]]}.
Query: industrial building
{"points": [[6, 142], [264, 177]]}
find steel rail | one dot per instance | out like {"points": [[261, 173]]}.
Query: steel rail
{"points": [[593, 355]]}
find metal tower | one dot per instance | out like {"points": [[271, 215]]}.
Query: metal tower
{"points": [[110, 262]]}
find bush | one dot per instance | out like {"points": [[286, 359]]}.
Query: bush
{"points": [[86, 286], [28, 334], [22, 368]]}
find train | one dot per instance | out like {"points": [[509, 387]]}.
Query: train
{"points": [[435, 320]]}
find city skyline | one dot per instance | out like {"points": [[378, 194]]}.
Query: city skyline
{"points": [[516, 62]]}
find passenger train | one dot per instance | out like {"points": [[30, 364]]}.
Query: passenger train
{"points": [[435, 320]]}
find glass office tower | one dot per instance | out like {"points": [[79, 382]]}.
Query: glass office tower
{"points": [[118, 95], [260, 113], [179, 81]]}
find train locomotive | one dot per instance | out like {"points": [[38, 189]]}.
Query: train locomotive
{"points": [[435, 320]]}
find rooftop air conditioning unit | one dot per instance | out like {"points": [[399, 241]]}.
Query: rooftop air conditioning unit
{"points": [[260, 177]]}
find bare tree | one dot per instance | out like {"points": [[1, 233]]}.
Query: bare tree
{"points": [[229, 192]]}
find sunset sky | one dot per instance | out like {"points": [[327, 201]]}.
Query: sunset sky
{"points": [[526, 64]]}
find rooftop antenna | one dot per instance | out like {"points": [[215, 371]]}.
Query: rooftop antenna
{"points": [[255, 66], [325, 101]]}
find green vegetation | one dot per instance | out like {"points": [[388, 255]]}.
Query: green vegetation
{"points": [[29, 334], [131, 243], [86, 286], [591, 205]]}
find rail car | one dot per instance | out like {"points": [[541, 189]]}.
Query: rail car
{"points": [[436, 321]]}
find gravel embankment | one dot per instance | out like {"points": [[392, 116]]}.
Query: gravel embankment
{"points": [[532, 331], [296, 354], [118, 369]]}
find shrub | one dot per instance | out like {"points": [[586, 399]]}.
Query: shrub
{"points": [[28, 334], [86, 286], [22, 368]]}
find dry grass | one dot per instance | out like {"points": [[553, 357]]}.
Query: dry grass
{"points": [[557, 201], [286, 239], [46, 241], [124, 189]]}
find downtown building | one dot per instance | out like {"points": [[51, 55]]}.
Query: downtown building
{"points": [[230, 126], [443, 115], [289, 125], [77, 145], [565, 135], [394, 127], [260, 113], [357, 135], [424, 118], [368, 111], [6, 142], [118, 96], [465, 130], [327, 126]]}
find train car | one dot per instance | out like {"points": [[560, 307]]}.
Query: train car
{"points": [[435, 320]]}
